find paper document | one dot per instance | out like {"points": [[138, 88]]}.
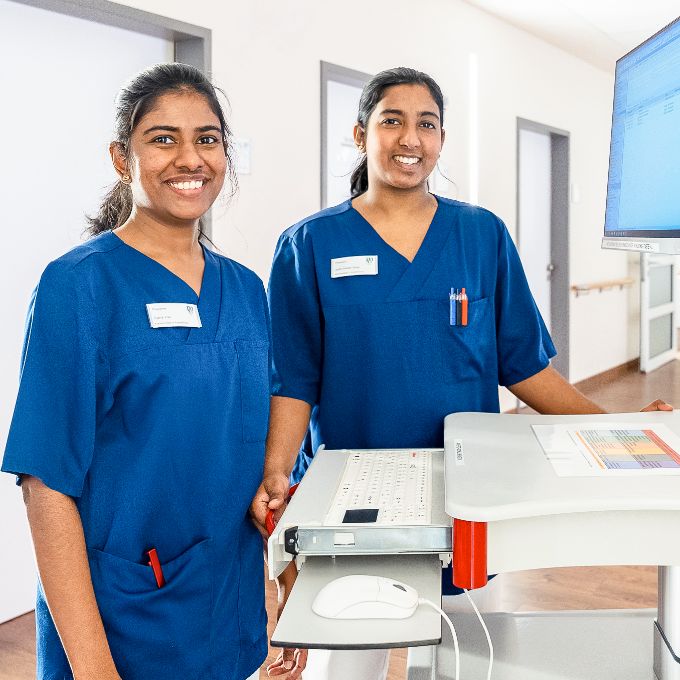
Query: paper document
{"points": [[610, 449]]}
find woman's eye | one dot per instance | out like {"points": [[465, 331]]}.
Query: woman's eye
{"points": [[428, 125], [208, 139], [391, 121], [163, 139]]}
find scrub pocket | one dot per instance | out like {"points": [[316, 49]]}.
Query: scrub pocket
{"points": [[253, 368], [468, 352], [157, 632]]}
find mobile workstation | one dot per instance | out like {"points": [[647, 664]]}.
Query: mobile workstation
{"points": [[510, 511]]}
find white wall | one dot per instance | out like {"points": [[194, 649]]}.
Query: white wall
{"points": [[56, 119], [266, 55]]}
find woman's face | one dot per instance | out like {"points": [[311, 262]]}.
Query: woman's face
{"points": [[403, 138], [176, 159]]}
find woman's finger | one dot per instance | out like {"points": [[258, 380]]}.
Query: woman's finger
{"points": [[658, 405]]}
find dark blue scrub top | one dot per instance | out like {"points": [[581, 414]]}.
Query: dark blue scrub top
{"points": [[158, 435], [375, 355]]}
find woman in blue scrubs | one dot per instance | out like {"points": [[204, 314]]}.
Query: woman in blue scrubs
{"points": [[363, 338], [139, 427]]}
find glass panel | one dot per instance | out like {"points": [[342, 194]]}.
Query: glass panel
{"points": [[660, 285], [660, 335]]}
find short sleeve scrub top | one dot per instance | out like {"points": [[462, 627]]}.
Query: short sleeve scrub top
{"points": [[374, 352], [158, 435]]}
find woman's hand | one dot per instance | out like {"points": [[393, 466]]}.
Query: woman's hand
{"points": [[270, 495], [291, 661], [657, 405]]}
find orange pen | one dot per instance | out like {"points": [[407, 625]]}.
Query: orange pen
{"points": [[464, 316]]}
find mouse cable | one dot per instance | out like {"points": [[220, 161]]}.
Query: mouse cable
{"points": [[486, 632], [442, 613]]}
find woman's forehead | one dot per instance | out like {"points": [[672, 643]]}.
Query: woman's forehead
{"points": [[180, 109]]}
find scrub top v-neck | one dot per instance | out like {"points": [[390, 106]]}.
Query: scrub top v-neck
{"points": [[158, 435], [373, 350]]}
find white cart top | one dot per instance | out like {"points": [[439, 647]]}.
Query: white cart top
{"points": [[505, 473]]}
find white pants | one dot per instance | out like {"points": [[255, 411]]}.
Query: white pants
{"points": [[372, 664]]}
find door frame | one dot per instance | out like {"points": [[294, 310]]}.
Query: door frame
{"points": [[559, 235], [338, 74], [649, 313], [193, 44]]}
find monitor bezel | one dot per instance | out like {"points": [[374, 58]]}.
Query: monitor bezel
{"points": [[650, 236]]}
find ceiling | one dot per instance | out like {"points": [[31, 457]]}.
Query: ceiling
{"points": [[598, 31]]}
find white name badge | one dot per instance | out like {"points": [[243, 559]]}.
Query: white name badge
{"points": [[170, 314], [359, 265]]}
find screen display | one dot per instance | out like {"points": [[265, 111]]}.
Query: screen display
{"points": [[643, 191]]}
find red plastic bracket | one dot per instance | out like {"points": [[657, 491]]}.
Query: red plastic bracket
{"points": [[469, 554], [269, 522]]}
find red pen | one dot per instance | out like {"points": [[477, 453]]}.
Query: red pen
{"points": [[155, 564]]}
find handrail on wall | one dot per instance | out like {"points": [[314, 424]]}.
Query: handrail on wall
{"points": [[599, 286]]}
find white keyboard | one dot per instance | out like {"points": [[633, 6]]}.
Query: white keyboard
{"points": [[383, 488]]}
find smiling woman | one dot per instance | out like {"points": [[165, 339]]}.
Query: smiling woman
{"points": [[138, 432]]}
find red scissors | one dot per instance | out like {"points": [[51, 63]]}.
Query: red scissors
{"points": [[269, 522]]}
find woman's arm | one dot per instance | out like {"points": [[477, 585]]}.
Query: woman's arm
{"points": [[65, 575], [549, 393], [288, 422]]}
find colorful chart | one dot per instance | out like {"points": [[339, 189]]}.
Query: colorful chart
{"points": [[628, 449]]}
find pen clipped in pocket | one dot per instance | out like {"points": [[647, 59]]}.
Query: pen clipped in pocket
{"points": [[468, 345]]}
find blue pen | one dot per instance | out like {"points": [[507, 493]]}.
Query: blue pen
{"points": [[452, 308]]}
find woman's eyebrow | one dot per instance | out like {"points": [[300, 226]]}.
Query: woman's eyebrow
{"points": [[171, 128], [399, 112]]}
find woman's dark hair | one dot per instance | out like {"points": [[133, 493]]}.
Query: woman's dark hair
{"points": [[134, 101], [372, 93]]}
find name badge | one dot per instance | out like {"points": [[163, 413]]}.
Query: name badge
{"points": [[359, 265], [171, 314]]}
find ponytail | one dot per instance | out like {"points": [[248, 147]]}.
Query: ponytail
{"points": [[114, 210], [359, 180]]}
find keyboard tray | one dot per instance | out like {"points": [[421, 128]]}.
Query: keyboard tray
{"points": [[299, 626], [300, 530]]}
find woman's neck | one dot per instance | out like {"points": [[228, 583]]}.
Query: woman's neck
{"points": [[391, 200], [159, 240]]}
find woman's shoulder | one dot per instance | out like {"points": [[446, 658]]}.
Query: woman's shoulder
{"points": [[235, 269], [74, 267], [484, 223], [317, 223], [469, 211]]}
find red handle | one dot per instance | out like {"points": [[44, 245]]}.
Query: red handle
{"points": [[269, 523]]}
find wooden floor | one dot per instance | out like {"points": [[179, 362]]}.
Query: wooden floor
{"points": [[573, 588]]}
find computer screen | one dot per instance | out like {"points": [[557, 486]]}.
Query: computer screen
{"points": [[643, 189]]}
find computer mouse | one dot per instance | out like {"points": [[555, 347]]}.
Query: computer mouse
{"points": [[365, 597]]}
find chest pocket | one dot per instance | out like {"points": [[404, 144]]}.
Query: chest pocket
{"points": [[468, 352], [253, 368]]}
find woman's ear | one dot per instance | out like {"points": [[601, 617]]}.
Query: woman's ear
{"points": [[118, 158], [360, 138]]}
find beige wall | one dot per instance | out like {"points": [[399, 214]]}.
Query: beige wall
{"points": [[266, 56]]}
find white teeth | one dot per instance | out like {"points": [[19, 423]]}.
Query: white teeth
{"points": [[195, 184], [407, 160]]}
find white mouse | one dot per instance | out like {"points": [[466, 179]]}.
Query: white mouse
{"points": [[365, 597]]}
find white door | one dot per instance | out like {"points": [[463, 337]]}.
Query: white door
{"points": [[63, 83], [658, 310], [534, 211]]}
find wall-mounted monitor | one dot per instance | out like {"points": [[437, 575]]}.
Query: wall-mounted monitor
{"points": [[643, 190]]}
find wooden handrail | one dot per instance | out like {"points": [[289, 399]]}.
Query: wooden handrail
{"points": [[585, 288]]}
